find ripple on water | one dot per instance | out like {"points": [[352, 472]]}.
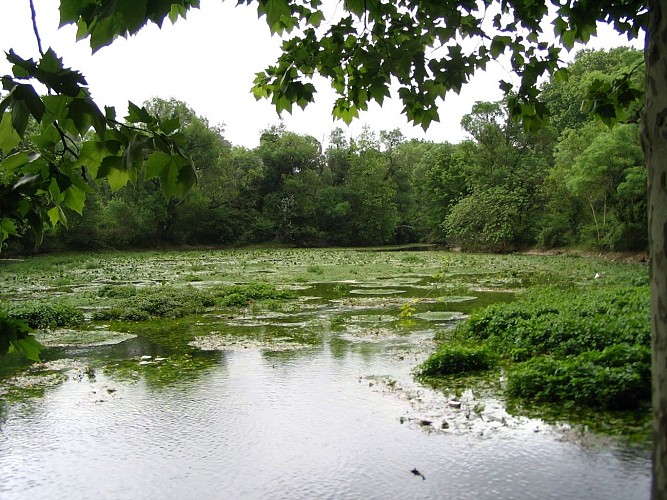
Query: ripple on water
{"points": [[287, 427]]}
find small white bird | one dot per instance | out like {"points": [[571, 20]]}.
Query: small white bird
{"points": [[598, 276]]}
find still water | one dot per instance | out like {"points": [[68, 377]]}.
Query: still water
{"points": [[340, 418]]}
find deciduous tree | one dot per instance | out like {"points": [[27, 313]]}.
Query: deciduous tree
{"points": [[425, 48]]}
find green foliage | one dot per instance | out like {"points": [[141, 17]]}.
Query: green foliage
{"points": [[588, 346], [451, 359], [160, 302], [45, 314], [407, 310], [51, 157], [489, 220], [403, 41], [117, 291], [15, 337], [618, 377], [550, 321], [170, 302]]}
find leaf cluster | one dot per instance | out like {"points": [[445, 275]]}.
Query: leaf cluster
{"points": [[45, 314], [53, 147], [557, 323], [589, 347], [451, 359], [419, 45], [15, 337], [618, 377], [170, 302]]}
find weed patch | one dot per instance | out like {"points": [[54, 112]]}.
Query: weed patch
{"points": [[589, 346], [451, 359], [42, 314]]}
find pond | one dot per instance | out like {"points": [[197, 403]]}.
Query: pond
{"points": [[316, 400]]}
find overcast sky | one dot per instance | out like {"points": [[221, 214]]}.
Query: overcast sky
{"points": [[209, 61]]}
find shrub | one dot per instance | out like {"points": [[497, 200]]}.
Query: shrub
{"points": [[117, 291], [588, 346], [617, 377], [560, 323], [160, 303], [45, 314], [451, 359]]}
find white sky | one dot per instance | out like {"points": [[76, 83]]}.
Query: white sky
{"points": [[209, 61]]}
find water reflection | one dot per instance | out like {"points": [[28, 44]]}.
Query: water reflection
{"points": [[340, 417], [285, 425]]}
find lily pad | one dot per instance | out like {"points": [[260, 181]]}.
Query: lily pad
{"points": [[82, 338], [376, 291], [458, 299], [439, 315]]}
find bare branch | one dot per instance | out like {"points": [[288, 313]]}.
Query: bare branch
{"points": [[34, 27]]}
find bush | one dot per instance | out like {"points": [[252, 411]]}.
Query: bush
{"points": [[117, 291], [160, 303], [487, 219], [560, 323], [589, 346], [45, 314], [167, 302], [451, 359], [616, 378]]}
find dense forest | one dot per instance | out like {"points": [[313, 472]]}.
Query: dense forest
{"points": [[574, 183]]}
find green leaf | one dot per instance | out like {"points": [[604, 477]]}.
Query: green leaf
{"points": [[568, 38], [133, 13], [278, 14], [91, 155], [176, 173], [27, 94], [104, 32], [57, 215], [498, 45], [13, 162], [28, 347], [7, 227], [137, 114], [75, 198], [20, 116], [562, 75], [9, 139], [70, 10], [156, 163], [112, 169]]}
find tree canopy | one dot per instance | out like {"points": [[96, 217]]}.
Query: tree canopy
{"points": [[427, 48]]}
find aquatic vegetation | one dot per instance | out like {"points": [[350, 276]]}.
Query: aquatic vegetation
{"points": [[450, 359], [617, 377], [45, 314], [244, 294], [588, 346], [159, 302], [563, 323], [117, 291], [376, 291], [439, 315], [178, 302], [82, 338], [161, 372], [407, 310]]}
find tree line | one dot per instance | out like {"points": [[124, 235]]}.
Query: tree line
{"points": [[573, 183]]}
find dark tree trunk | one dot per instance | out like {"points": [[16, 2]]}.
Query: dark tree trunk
{"points": [[654, 139]]}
